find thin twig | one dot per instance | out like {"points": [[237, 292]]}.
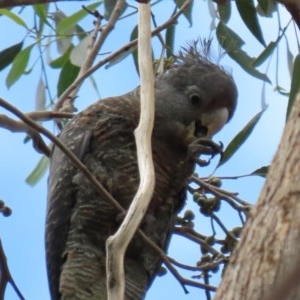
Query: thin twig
{"points": [[15, 126], [196, 237], [18, 126], [5, 276], [221, 193]]}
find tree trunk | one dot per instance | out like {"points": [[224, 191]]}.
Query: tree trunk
{"points": [[264, 264]]}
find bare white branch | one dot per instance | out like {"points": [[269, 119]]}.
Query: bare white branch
{"points": [[116, 245]]}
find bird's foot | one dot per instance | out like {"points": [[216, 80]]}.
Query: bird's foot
{"points": [[203, 146]]}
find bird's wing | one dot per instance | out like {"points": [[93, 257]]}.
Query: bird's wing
{"points": [[61, 199]]}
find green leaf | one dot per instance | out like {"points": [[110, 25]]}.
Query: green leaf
{"points": [[268, 50], [263, 171], [67, 76], [60, 61], [247, 12], [95, 86], [81, 33], [224, 10], [187, 12], [19, 65], [80, 51], [40, 96], [13, 17], [263, 4], [8, 55], [266, 53], [290, 58], [109, 6], [66, 24], [227, 38], [133, 36], [232, 43], [294, 85], [239, 139], [41, 10], [170, 38], [40, 169], [266, 8]]}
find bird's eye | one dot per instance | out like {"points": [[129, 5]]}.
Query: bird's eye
{"points": [[195, 99]]}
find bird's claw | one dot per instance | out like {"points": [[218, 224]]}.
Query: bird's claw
{"points": [[203, 146]]}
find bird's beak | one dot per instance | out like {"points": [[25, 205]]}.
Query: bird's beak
{"points": [[214, 120]]}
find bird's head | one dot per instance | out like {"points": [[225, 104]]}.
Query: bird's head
{"points": [[195, 97]]}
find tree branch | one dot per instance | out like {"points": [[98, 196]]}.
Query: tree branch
{"points": [[116, 245], [12, 3]]}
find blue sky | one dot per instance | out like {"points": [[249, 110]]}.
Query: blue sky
{"points": [[22, 234]]}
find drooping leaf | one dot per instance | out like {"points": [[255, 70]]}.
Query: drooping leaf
{"points": [[41, 11], [109, 6], [64, 37], [67, 76], [60, 61], [81, 33], [18, 66], [248, 13], [266, 7], [224, 10], [263, 4], [228, 39], [239, 139], [8, 55], [265, 54], [133, 36], [68, 23], [40, 96], [232, 43], [8, 13], [294, 85], [268, 50], [187, 12], [94, 85], [79, 52], [37, 173], [170, 38], [290, 58], [263, 171]]}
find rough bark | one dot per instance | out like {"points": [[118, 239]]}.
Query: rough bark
{"points": [[269, 250]]}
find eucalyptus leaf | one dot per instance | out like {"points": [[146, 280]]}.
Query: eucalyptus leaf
{"points": [[79, 53], [224, 10], [188, 11], [248, 14], [263, 171], [8, 13], [67, 76], [40, 96], [18, 66], [240, 139], [294, 85], [232, 43], [68, 24], [38, 172], [8, 55]]}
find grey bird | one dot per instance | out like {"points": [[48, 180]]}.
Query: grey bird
{"points": [[194, 99]]}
